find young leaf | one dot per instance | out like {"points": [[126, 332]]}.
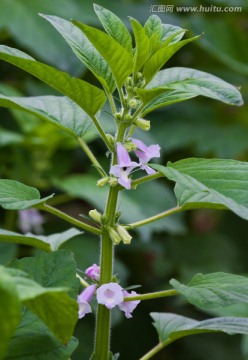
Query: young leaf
{"points": [[10, 310], [171, 327], [118, 58], [179, 84], [57, 110], [153, 25], [87, 96], [142, 43], [114, 27], [214, 290], [154, 64], [212, 183], [17, 196], [169, 30], [45, 243], [84, 50]]}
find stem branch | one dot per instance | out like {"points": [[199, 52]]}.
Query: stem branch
{"points": [[91, 156], [154, 295]]}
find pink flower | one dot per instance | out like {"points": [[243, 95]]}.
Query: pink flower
{"points": [[124, 167], [93, 272], [30, 220], [128, 306], [83, 300], [145, 154], [109, 295]]}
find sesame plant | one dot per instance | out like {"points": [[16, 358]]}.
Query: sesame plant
{"points": [[43, 297]]}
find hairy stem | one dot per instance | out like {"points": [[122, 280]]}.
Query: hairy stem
{"points": [[92, 157], [159, 216], [154, 295], [68, 218]]}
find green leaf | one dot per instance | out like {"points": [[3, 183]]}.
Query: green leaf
{"points": [[57, 110], [153, 25], [178, 84], [87, 96], [84, 50], [114, 27], [118, 58], [175, 33], [10, 310], [52, 305], [154, 64], [48, 299], [33, 340], [17, 196], [213, 183], [46, 243], [142, 43], [171, 327], [214, 290]]}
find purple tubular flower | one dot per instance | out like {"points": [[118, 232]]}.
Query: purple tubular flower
{"points": [[128, 306], [109, 295], [83, 300], [145, 154], [93, 272], [30, 220], [124, 167]]}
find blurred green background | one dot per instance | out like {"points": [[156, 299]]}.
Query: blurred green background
{"points": [[38, 154]]}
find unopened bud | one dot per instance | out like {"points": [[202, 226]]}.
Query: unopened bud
{"points": [[128, 118], [110, 139], [95, 215], [143, 124], [114, 236], [130, 146], [113, 181], [118, 116], [103, 181], [133, 103], [129, 81], [124, 235]]}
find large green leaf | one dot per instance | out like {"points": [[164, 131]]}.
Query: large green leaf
{"points": [[84, 50], [171, 327], [169, 30], [142, 45], [118, 58], [10, 310], [52, 305], [57, 110], [33, 340], [87, 96], [214, 290], [154, 64], [213, 183], [45, 243], [114, 27], [17, 196], [178, 84]]}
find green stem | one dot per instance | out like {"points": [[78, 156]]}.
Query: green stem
{"points": [[68, 218], [155, 350], [103, 322], [92, 157], [82, 281], [154, 218], [154, 295], [145, 179], [102, 133]]}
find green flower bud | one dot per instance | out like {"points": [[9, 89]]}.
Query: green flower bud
{"points": [[124, 235], [113, 181], [111, 139], [95, 215], [133, 103], [143, 124], [114, 236], [118, 116], [103, 181]]}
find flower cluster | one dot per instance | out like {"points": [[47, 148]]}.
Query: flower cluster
{"points": [[110, 295], [125, 165]]}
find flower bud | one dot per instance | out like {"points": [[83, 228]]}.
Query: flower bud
{"points": [[118, 116], [143, 124], [95, 215], [133, 103], [124, 235], [110, 139], [103, 181], [113, 181], [114, 236]]}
